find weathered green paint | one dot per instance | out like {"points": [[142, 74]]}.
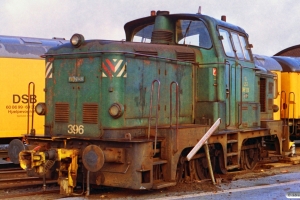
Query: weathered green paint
{"points": [[211, 86]]}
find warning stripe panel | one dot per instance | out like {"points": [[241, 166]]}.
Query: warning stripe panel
{"points": [[48, 73], [114, 68]]}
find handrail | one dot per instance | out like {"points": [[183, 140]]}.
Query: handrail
{"points": [[177, 112], [32, 131], [241, 97], [293, 118], [283, 106], [227, 63], [150, 111], [130, 53]]}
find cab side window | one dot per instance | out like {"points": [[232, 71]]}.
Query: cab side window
{"points": [[144, 34], [226, 43], [234, 44]]}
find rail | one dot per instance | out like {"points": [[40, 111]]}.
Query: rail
{"points": [[240, 119], [283, 106], [293, 118], [228, 113], [150, 111], [177, 112], [131, 53], [18, 178], [32, 130]]}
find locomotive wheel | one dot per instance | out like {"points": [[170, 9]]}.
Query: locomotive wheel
{"points": [[202, 168], [180, 167], [197, 169], [250, 157], [220, 163], [192, 170]]}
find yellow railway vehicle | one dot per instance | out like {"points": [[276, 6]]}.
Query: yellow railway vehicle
{"points": [[21, 64], [290, 110], [286, 72]]}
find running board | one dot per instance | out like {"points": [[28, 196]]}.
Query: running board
{"points": [[159, 162], [230, 167], [163, 184]]}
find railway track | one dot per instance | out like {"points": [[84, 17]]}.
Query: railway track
{"points": [[16, 177]]}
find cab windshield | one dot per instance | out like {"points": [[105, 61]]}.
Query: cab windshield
{"points": [[192, 32], [187, 32]]}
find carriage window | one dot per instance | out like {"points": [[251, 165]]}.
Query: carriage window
{"points": [[144, 35], [226, 43], [191, 32]]}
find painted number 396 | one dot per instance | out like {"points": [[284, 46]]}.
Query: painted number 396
{"points": [[75, 129]]}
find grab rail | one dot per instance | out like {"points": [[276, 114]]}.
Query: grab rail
{"points": [[293, 127], [240, 119], [32, 130], [150, 111], [283, 106], [177, 112]]}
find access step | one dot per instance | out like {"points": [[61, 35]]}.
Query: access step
{"points": [[229, 167], [163, 184], [159, 161], [231, 141], [232, 154]]}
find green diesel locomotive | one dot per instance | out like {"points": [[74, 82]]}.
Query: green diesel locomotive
{"points": [[127, 113]]}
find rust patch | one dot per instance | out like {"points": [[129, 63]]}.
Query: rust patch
{"points": [[50, 59], [79, 62], [91, 59], [147, 62]]}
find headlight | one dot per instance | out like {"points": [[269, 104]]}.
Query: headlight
{"points": [[77, 39], [116, 110], [40, 108]]}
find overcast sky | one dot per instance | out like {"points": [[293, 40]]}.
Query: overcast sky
{"points": [[272, 25]]}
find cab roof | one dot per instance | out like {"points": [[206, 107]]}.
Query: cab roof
{"points": [[132, 26]]}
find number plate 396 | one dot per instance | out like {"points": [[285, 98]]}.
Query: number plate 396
{"points": [[75, 129]]}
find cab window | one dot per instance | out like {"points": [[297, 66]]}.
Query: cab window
{"points": [[144, 35], [244, 46], [237, 46], [226, 43], [192, 32], [234, 44]]}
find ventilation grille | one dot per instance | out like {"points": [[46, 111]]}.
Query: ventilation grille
{"points": [[62, 112], [262, 97], [150, 53], [161, 37], [90, 113], [186, 56]]}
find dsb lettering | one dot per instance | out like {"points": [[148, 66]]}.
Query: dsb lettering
{"points": [[24, 98]]}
